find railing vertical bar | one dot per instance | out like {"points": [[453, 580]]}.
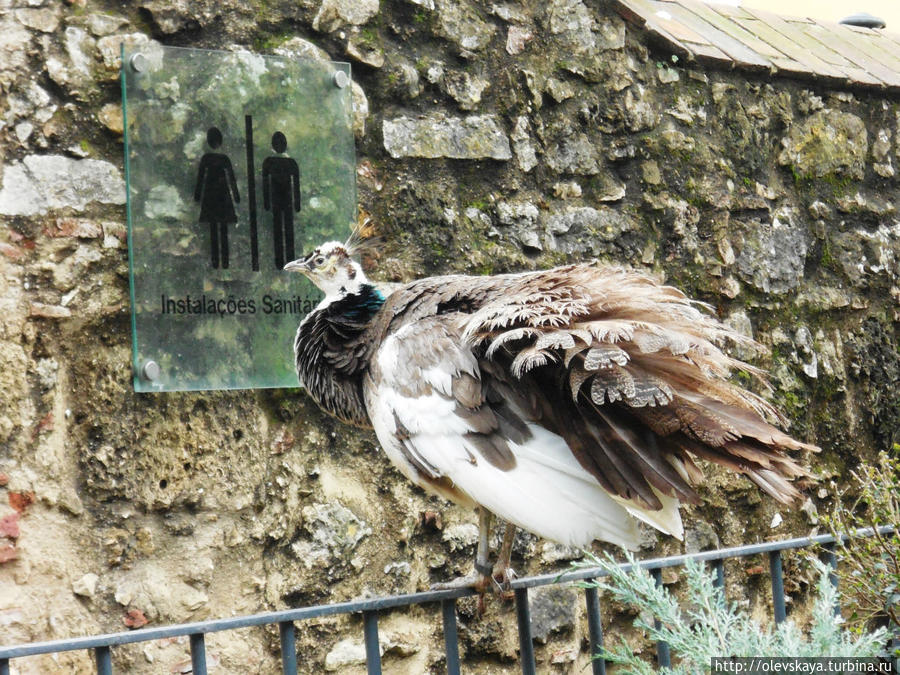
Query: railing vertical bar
{"points": [[4, 666], [595, 627], [663, 655], [831, 561], [288, 648], [451, 637], [198, 654], [719, 569], [373, 650], [895, 648], [777, 586], [526, 646], [104, 660]]}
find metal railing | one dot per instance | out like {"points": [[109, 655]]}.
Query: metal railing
{"points": [[102, 644]]}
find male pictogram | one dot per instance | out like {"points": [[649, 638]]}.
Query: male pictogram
{"points": [[281, 196], [217, 192]]}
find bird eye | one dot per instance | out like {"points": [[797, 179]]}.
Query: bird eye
{"points": [[319, 260]]}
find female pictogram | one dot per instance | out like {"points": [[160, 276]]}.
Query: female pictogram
{"points": [[281, 196], [217, 193]]}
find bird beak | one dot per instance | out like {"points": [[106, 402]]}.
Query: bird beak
{"points": [[298, 265]]}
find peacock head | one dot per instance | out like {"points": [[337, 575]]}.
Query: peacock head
{"points": [[331, 269]]}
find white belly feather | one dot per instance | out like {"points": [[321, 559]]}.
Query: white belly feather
{"points": [[547, 493]]}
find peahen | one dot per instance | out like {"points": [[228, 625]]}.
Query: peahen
{"points": [[569, 402]]}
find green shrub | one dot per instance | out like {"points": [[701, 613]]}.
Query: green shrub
{"points": [[869, 567], [707, 625]]}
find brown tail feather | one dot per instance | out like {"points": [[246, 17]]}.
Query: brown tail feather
{"points": [[767, 479], [619, 453], [657, 469], [643, 382], [748, 423], [775, 486]]}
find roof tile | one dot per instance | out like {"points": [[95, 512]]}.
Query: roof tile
{"points": [[753, 40]]}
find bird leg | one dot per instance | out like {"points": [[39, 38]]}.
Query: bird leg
{"points": [[502, 574], [483, 554], [482, 578]]}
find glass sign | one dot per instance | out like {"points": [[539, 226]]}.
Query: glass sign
{"points": [[235, 163]]}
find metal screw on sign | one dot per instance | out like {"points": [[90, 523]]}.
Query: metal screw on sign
{"points": [[340, 79], [151, 371], [138, 63]]}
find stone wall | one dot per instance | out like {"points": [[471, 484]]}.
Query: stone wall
{"points": [[491, 137]]}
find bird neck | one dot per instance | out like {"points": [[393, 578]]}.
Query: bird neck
{"points": [[328, 355], [356, 306]]}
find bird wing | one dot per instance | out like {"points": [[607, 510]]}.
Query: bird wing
{"points": [[453, 428], [630, 373]]}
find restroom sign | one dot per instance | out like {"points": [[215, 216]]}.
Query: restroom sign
{"points": [[235, 164]]}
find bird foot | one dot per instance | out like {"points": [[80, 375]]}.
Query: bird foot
{"points": [[499, 581], [476, 580], [502, 577]]}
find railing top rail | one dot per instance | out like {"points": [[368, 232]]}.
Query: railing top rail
{"points": [[702, 556], [389, 602], [216, 625]]}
